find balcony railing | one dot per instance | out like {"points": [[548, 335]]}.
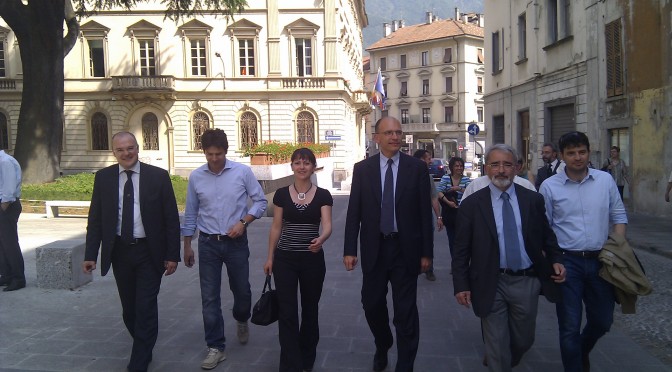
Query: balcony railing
{"points": [[143, 83], [7, 84], [301, 82]]}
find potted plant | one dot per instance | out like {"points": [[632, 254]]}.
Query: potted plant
{"points": [[275, 152]]}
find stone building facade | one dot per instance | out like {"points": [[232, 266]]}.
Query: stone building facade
{"points": [[278, 71], [434, 80], [557, 65]]}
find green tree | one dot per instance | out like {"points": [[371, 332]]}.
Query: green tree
{"points": [[43, 44]]}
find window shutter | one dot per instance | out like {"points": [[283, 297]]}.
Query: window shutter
{"points": [[618, 59], [609, 41]]}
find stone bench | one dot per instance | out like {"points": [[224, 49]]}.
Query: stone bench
{"points": [[59, 265], [51, 206]]}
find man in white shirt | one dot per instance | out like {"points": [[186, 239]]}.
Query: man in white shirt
{"points": [[11, 259]]}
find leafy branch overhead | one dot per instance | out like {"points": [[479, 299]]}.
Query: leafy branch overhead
{"points": [[175, 9]]}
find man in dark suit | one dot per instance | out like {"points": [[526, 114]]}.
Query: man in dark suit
{"points": [[390, 211], [505, 254], [552, 165], [135, 224]]}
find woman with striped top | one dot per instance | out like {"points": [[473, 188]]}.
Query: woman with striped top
{"points": [[296, 259]]}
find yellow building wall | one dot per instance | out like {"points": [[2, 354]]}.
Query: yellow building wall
{"points": [[651, 150]]}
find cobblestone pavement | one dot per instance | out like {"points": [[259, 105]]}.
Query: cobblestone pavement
{"points": [[651, 326]]}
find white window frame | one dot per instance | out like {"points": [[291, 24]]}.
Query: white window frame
{"points": [[244, 30], [93, 31], [424, 58], [522, 36], [145, 32], [426, 115], [558, 14]]}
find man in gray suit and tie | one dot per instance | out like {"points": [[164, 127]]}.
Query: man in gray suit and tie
{"points": [[505, 254]]}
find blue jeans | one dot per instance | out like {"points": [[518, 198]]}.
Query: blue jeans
{"points": [[583, 285], [234, 253]]}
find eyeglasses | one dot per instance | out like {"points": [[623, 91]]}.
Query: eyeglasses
{"points": [[389, 133], [505, 165]]}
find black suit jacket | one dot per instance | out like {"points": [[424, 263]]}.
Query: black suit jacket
{"points": [[543, 173], [158, 211], [476, 253], [412, 209]]}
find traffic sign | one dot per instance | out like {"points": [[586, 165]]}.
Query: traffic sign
{"points": [[460, 148], [409, 138], [332, 138], [473, 129]]}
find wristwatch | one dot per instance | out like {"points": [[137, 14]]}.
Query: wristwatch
{"points": [[243, 222], [440, 218]]}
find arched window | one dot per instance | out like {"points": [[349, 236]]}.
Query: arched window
{"points": [[150, 132], [99, 136], [4, 132], [305, 127], [200, 122], [248, 130]]}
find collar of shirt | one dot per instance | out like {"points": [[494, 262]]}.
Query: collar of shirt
{"points": [[135, 168], [383, 160], [564, 178], [227, 165]]}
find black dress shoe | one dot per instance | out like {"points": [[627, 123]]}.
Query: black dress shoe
{"points": [[4, 281], [15, 284], [380, 360]]}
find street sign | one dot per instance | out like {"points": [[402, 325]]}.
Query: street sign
{"points": [[332, 138], [473, 129], [409, 138], [460, 148], [329, 132]]}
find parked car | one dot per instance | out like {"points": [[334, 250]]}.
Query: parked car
{"points": [[438, 167]]}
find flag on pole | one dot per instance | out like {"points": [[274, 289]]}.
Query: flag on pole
{"points": [[378, 92]]}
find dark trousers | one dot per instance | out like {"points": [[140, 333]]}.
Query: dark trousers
{"points": [[303, 271], [138, 283], [390, 267], [11, 259]]}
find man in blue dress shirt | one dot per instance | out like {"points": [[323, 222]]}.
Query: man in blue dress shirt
{"points": [[581, 204], [217, 197], [11, 260]]}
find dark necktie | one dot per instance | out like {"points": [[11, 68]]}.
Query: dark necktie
{"points": [[127, 210], [550, 170], [513, 260], [387, 206]]}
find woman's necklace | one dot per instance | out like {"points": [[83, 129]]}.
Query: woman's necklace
{"points": [[302, 195]]}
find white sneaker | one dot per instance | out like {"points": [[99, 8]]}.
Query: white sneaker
{"points": [[243, 333], [214, 357]]}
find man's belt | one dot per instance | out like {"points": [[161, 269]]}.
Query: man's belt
{"points": [[525, 272], [135, 241], [584, 254], [217, 237], [390, 236]]}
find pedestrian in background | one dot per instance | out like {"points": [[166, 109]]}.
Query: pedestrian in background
{"points": [[425, 156], [217, 205], [617, 168], [451, 188], [133, 221], [390, 211], [296, 260], [581, 206], [552, 164], [11, 260], [504, 283]]}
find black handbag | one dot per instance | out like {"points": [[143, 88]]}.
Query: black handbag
{"points": [[265, 311]]}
